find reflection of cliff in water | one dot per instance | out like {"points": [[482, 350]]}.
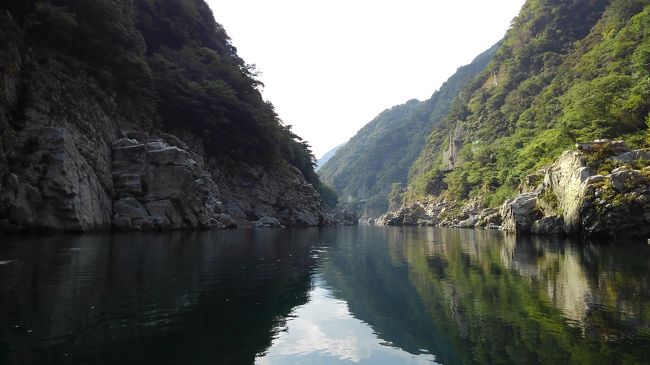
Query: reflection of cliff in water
{"points": [[604, 289], [485, 297], [165, 298], [371, 276]]}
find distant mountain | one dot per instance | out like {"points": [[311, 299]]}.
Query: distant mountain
{"points": [[382, 152], [326, 157]]}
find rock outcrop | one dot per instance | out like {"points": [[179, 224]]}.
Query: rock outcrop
{"points": [[52, 186], [157, 183], [252, 192], [574, 200], [568, 197], [160, 184]]}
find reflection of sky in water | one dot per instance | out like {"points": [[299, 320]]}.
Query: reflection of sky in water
{"points": [[324, 331]]}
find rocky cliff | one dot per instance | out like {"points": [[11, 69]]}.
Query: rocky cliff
{"points": [[566, 72], [599, 191], [88, 141]]}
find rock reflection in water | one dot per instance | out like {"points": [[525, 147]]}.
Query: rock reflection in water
{"points": [[160, 298], [481, 297]]}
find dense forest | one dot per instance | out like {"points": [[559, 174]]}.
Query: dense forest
{"points": [[566, 72], [369, 165], [170, 66]]}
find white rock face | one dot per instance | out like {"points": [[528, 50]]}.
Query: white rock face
{"points": [[566, 179], [591, 205], [520, 212]]}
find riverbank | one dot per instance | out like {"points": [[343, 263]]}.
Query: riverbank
{"points": [[600, 189]]}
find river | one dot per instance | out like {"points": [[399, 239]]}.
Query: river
{"points": [[347, 295]]}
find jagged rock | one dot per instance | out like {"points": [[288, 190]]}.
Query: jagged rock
{"points": [[128, 183], [252, 192], [125, 142], [520, 212], [130, 215], [173, 190], [565, 180], [54, 188], [615, 147], [553, 225], [487, 217], [268, 222], [642, 154], [623, 179], [617, 204], [591, 205], [226, 220], [165, 214], [469, 222]]}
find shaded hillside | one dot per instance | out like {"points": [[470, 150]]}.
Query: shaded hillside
{"points": [[380, 154], [92, 72], [566, 72]]}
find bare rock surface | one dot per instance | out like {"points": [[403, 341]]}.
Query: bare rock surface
{"points": [[162, 186], [568, 197], [52, 186]]}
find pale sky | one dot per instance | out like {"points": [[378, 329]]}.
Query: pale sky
{"points": [[330, 67]]}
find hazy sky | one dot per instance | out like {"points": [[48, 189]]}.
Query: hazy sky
{"points": [[331, 66]]}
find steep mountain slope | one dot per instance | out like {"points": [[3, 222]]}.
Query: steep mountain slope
{"points": [[327, 156], [566, 72], [116, 112], [380, 154]]}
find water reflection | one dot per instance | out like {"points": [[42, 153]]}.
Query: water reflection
{"points": [[485, 297], [323, 331], [164, 299], [373, 295]]}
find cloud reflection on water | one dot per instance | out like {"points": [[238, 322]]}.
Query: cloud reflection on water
{"points": [[323, 331]]}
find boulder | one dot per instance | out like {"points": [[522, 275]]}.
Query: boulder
{"points": [[520, 212], [268, 222], [553, 225], [226, 220], [469, 222]]}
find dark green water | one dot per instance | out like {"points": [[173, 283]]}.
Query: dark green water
{"points": [[353, 295]]}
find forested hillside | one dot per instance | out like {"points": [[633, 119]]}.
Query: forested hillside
{"points": [[95, 70], [380, 154], [170, 62], [567, 71]]}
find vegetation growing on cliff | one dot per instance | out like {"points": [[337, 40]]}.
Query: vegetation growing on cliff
{"points": [[567, 71], [380, 154], [170, 66]]}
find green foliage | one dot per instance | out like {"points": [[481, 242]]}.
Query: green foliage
{"points": [[396, 196], [328, 194], [566, 72], [174, 66], [383, 151]]}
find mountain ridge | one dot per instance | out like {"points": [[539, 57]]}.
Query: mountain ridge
{"points": [[381, 153]]}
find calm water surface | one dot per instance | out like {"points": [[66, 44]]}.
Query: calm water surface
{"points": [[352, 295]]}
